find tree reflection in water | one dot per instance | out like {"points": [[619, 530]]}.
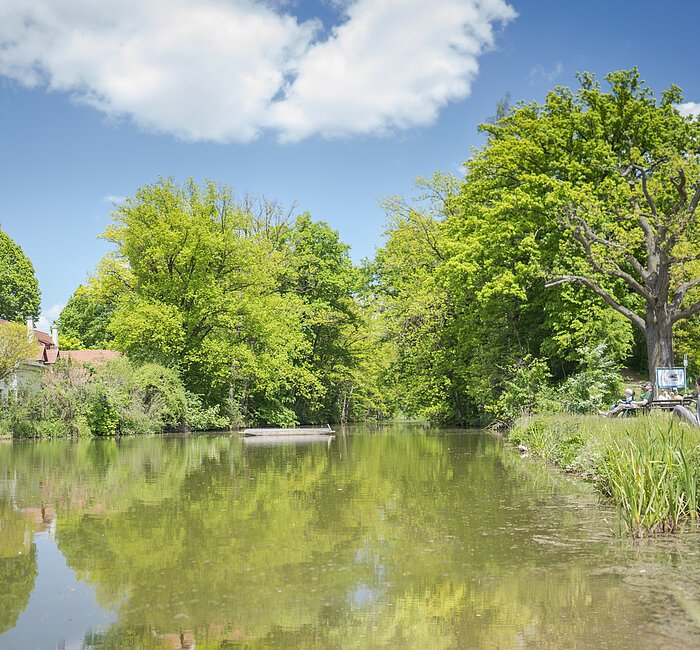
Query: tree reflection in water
{"points": [[399, 539]]}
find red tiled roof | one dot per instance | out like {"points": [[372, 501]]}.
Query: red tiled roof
{"points": [[89, 356], [42, 337]]}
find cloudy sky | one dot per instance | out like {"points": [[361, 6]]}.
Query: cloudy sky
{"points": [[331, 104]]}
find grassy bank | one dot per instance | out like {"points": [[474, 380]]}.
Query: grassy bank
{"points": [[648, 466]]}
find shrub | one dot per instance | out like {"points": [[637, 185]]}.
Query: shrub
{"points": [[102, 415], [275, 415], [526, 392], [161, 394], [115, 398], [203, 418], [595, 385]]}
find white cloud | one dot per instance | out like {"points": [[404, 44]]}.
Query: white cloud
{"points": [[539, 74], [689, 108], [393, 63], [224, 70], [47, 317]]}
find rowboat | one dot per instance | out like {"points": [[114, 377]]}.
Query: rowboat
{"points": [[298, 431], [265, 441]]}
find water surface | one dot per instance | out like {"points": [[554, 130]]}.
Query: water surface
{"points": [[383, 538]]}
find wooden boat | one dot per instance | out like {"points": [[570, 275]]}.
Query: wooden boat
{"points": [[263, 441], [299, 431]]}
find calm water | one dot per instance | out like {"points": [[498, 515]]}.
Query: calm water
{"points": [[384, 538]]}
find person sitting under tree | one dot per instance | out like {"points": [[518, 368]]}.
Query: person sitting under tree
{"points": [[620, 405], [646, 397], [628, 403]]}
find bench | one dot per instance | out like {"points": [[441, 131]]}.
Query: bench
{"points": [[660, 404], [669, 404]]}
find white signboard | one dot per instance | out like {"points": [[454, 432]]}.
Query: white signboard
{"points": [[670, 378]]}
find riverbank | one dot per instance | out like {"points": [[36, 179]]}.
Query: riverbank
{"points": [[648, 466], [114, 398]]}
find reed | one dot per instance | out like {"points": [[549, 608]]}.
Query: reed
{"points": [[648, 467]]}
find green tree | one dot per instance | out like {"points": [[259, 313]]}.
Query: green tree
{"points": [[597, 189], [185, 262], [425, 364], [15, 347], [258, 312], [320, 273], [84, 320], [19, 290]]}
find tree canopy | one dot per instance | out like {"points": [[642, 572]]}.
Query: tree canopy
{"points": [[15, 347], [574, 235], [575, 225], [83, 321], [19, 289], [255, 308]]}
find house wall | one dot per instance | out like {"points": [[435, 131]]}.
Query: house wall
{"points": [[29, 376]]}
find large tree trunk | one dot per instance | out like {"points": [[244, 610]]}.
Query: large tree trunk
{"points": [[659, 336]]}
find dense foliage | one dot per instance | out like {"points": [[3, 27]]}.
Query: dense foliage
{"points": [[256, 310], [83, 321], [575, 227], [19, 289], [117, 397], [15, 347], [570, 248]]}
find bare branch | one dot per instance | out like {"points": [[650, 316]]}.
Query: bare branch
{"points": [[680, 293], [686, 313], [680, 188], [682, 218], [649, 235], [587, 282], [597, 239], [685, 259], [587, 236], [647, 195], [692, 206]]}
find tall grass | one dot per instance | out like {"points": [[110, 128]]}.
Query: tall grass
{"points": [[649, 466], [651, 482]]}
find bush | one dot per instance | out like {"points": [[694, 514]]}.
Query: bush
{"points": [[117, 397], [51, 429], [101, 414], [203, 418], [595, 385], [526, 392], [275, 415], [161, 394]]}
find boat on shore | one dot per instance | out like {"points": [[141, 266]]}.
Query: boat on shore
{"points": [[298, 431]]}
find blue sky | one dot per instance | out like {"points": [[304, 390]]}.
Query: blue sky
{"points": [[331, 104]]}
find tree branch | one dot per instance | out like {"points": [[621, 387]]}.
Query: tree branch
{"points": [[597, 239], [682, 219], [680, 188], [686, 313], [587, 282], [680, 293], [585, 240], [647, 195], [692, 206]]}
